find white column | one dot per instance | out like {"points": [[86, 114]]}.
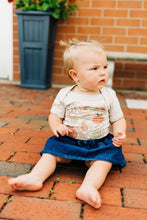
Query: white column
{"points": [[111, 67], [6, 40]]}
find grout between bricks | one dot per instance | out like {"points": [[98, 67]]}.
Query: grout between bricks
{"points": [[138, 140], [143, 158], [82, 212], [27, 140], [52, 190], [11, 155], [5, 202], [122, 197]]}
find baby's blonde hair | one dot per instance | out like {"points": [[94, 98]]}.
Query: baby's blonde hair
{"points": [[71, 45]]}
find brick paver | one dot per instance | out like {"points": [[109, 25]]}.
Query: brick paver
{"points": [[23, 132]]}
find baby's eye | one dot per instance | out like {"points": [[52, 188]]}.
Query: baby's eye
{"points": [[105, 67], [94, 68]]}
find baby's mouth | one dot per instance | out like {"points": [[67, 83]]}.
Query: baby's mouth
{"points": [[102, 81]]}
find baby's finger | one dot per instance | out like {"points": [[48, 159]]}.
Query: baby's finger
{"points": [[56, 133], [117, 143]]}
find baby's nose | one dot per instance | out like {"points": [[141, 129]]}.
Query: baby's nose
{"points": [[102, 72]]}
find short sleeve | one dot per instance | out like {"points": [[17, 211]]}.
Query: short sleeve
{"points": [[58, 107], [115, 109]]}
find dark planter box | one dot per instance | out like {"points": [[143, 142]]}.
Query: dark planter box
{"points": [[36, 32]]}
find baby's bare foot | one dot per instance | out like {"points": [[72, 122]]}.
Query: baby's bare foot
{"points": [[90, 196], [25, 182]]}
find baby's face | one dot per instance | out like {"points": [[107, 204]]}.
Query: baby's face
{"points": [[91, 68]]}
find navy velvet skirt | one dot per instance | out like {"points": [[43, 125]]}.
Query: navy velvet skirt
{"points": [[99, 149]]}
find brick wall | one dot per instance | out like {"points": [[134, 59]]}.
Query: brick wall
{"points": [[130, 75], [121, 25]]}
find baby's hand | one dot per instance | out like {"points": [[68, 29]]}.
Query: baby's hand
{"points": [[119, 139], [62, 130]]}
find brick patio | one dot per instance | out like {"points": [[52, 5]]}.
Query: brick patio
{"points": [[23, 132]]}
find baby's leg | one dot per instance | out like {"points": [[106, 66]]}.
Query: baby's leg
{"points": [[93, 180], [34, 180]]}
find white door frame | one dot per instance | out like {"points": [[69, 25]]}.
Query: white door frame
{"points": [[6, 40]]}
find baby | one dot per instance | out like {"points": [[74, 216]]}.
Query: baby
{"points": [[80, 119]]}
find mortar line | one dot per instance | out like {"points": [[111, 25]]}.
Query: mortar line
{"points": [[82, 212], [122, 197], [138, 140], [9, 197]]}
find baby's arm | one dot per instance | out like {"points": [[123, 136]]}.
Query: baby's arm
{"points": [[119, 132], [57, 126]]}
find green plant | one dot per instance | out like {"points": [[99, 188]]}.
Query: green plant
{"points": [[7, 200], [59, 9], [51, 192]]}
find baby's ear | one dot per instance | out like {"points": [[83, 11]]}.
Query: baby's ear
{"points": [[72, 73]]}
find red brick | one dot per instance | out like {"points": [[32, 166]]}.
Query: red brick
{"points": [[131, 141], [36, 124], [117, 83], [77, 21], [22, 147], [136, 65], [136, 31], [135, 198], [126, 180], [140, 125], [138, 13], [135, 168], [126, 40], [65, 175], [13, 139], [134, 149], [143, 141], [5, 155], [110, 196], [34, 133], [144, 23], [66, 29], [88, 30], [26, 158], [145, 5], [38, 140], [129, 4], [104, 39], [112, 30], [102, 21], [111, 212], [114, 47], [128, 22], [115, 13], [136, 134], [103, 4], [134, 84], [5, 189], [7, 131], [66, 191], [83, 4], [15, 123], [133, 157], [35, 209], [124, 74], [90, 12], [138, 49]]}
